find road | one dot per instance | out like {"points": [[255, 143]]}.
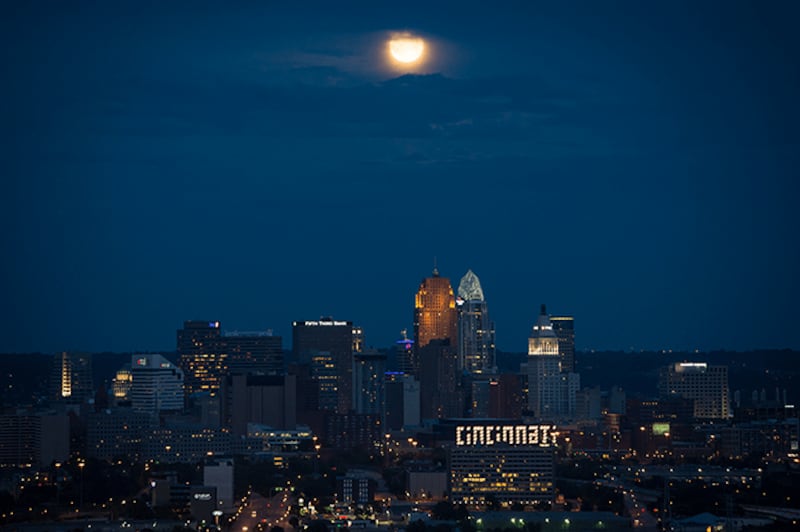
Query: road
{"points": [[264, 511]]}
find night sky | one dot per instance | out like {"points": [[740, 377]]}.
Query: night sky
{"points": [[633, 164]]}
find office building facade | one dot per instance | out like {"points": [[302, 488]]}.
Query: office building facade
{"points": [[504, 463], [564, 327], [200, 356], [551, 392], [156, 384], [407, 361], [706, 385], [435, 315], [441, 390], [369, 369], [327, 345], [255, 352], [263, 399], [33, 439], [71, 380]]}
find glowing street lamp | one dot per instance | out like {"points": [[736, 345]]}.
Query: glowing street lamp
{"points": [[81, 465], [58, 486]]}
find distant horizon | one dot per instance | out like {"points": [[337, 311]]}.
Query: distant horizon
{"points": [[389, 347]]}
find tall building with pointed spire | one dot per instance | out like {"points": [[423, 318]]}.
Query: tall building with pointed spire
{"points": [[434, 311], [476, 347]]}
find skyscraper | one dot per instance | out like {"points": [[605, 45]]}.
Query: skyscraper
{"points": [[327, 345], [201, 359], [406, 354], [257, 352], [121, 385], [72, 377], [369, 368], [441, 391], [476, 347], [551, 393], [402, 401], [156, 384], [564, 327], [435, 311], [435, 337], [706, 385]]}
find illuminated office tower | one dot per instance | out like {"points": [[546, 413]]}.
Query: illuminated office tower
{"points": [[72, 377], [156, 384], [369, 369], [507, 464], [434, 312], [551, 393], [476, 348], [706, 385], [201, 359], [121, 385], [327, 345], [257, 352], [564, 327], [543, 340]]}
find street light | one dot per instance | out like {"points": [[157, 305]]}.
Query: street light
{"points": [[217, 514], [58, 486], [81, 465]]}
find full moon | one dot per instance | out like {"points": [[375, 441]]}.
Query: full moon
{"points": [[406, 49]]}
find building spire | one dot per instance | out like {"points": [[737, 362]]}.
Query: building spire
{"points": [[435, 269], [470, 287], [544, 310]]}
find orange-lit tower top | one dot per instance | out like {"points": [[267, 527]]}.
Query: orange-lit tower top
{"points": [[435, 316]]}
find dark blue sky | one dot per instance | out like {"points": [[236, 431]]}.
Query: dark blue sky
{"points": [[633, 164]]}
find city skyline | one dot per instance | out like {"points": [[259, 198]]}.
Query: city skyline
{"points": [[632, 166], [423, 267], [284, 330]]}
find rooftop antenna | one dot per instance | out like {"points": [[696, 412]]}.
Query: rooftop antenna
{"points": [[435, 269]]}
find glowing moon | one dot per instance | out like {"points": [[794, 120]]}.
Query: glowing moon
{"points": [[407, 49]]}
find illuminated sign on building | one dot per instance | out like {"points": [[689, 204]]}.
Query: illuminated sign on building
{"points": [[691, 366], [202, 496], [325, 323], [661, 429], [534, 435]]}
